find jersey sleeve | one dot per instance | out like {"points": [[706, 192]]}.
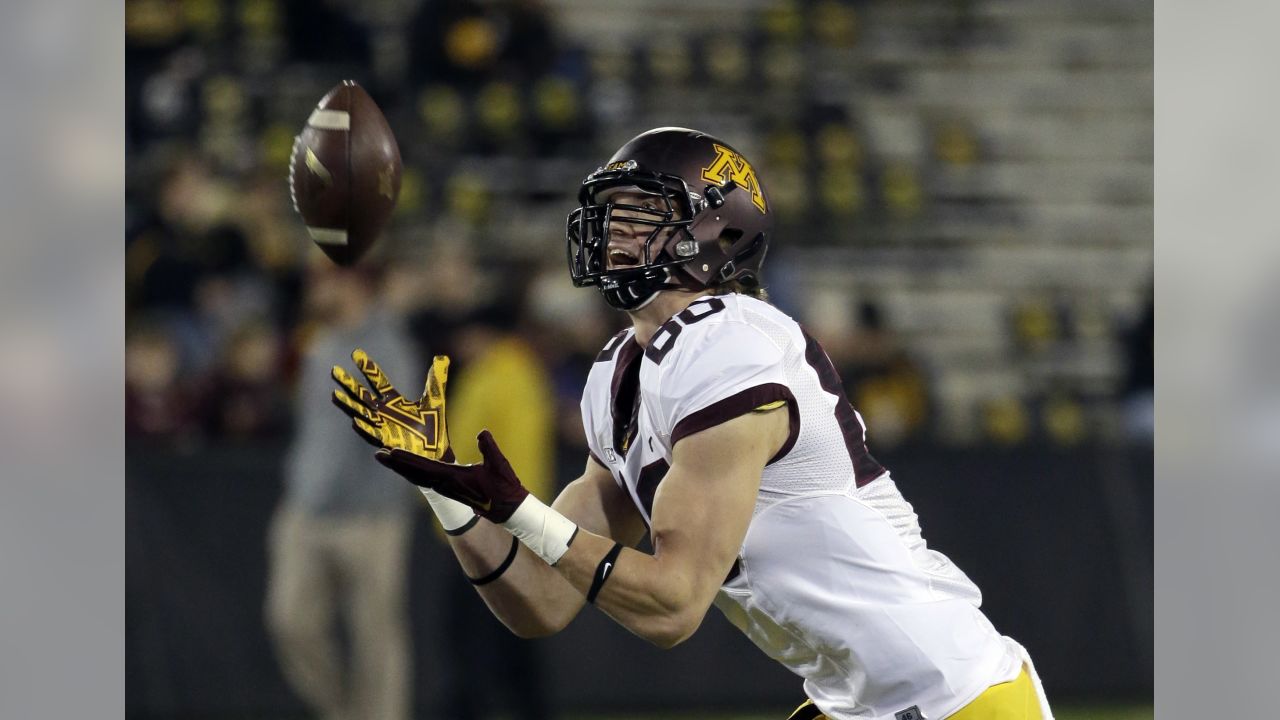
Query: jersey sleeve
{"points": [[594, 407], [719, 373]]}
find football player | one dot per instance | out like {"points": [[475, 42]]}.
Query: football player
{"points": [[718, 426]]}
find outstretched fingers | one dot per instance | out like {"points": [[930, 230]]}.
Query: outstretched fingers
{"points": [[373, 373], [352, 388], [353, 408], [367, 431]]}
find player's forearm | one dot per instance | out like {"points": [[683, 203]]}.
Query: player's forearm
{"points": [[529, 597], [661, 597], [659, 600]]}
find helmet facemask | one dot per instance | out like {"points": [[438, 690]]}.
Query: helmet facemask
{"points": [[667, 245]]}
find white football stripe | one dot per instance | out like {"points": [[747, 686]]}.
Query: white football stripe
{"points": [[327, 236], [330, 119]]}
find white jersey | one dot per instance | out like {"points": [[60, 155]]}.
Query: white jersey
{"points": [[833, 578]]}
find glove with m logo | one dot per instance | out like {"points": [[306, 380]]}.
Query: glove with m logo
{"points": [[387, 419]]}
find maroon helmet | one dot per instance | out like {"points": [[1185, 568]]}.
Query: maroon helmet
{"points": [[711, 218]]}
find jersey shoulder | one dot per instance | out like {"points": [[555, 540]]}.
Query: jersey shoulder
{"points": [[709, 363], [720, 331]]}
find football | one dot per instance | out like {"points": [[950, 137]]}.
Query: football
{"points": [[344, 173]]}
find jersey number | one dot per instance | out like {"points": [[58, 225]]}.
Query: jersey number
{"points": [[865, 467], [611, 347], [665, 338]]}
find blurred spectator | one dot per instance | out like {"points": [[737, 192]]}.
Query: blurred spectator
{"points": [[192, 198], [226, 303], [882, 380], [340, 537], [498, 383], [185, 234], [274, 241], [160, 273], [570, 323], [436, 291], [158, 405], [246, 398]]}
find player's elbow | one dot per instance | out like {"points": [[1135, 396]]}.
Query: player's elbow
{"points": [[676, 613], [674, 628], [532, 632], [668, 640]]}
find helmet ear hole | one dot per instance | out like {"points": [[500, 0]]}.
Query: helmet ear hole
{"points": [[728, 238]]}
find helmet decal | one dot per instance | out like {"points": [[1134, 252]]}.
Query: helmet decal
{"points": [[730, 166]]}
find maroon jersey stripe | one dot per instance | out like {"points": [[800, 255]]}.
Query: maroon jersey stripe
{"points": [[624, 393], [865, 467], [741, 403], [647, 486]]}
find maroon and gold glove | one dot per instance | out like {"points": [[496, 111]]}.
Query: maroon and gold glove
{"points": [[386, 419], [490, 488]]}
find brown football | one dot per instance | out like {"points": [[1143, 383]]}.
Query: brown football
{"points": [[344, 173]]}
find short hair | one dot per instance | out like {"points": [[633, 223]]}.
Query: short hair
{"points": [[737, 286]]}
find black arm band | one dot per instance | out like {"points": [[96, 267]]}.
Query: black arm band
{"points": [[511, 556], [603, 571], [459, 530]]}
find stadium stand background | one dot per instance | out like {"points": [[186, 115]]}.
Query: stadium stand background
{"points": [[964, 194]]}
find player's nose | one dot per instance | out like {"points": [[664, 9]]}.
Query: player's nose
{"points": [[627, 234]]}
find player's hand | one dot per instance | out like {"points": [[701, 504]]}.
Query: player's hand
{"points": [[490, 488], [386, 419]]}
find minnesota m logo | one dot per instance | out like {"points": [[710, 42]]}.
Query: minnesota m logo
{"points": [[729, 165]]}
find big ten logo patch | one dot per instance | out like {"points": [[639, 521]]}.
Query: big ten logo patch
{"points": [[729, 165]]}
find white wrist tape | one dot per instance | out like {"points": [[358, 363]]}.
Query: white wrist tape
{"points": [[452, 513], [543, 530]]}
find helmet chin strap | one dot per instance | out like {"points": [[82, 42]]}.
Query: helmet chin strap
{"points": [[652, 296], [635, 293]]}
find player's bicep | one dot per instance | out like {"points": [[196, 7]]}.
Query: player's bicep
{"points": [[596, 503], [703, 506]]}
